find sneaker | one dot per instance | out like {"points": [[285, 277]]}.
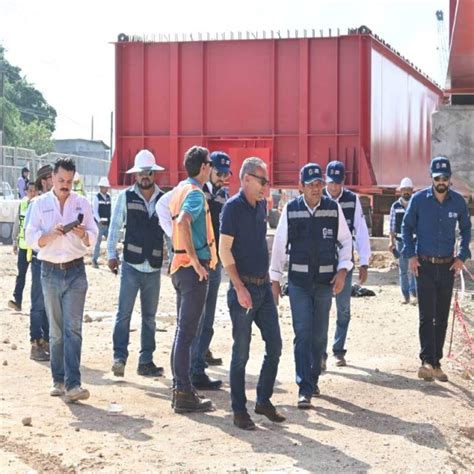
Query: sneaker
{"points": [[57, 389], [14, 305], [188, 402], [268, 410], [438, 374], [324, 364], [243, 421], [118, 368], [76, 394], [340, 360], [150, 370], [304, 402], [211, 360], [37, 351], [425, 372], [316, 391]]}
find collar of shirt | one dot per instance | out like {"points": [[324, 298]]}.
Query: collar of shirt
{"points": [[244, 199], [104, 195], [430, 193], [151, 204], [311, 211], [194, 181], [334, 198]]}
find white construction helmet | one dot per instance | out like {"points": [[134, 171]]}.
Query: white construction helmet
{"points": [[144, 161], [104, 182], [406, 183]]}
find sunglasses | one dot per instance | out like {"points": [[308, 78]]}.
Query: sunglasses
{"points": [[444, 179], [263, 181], [222, 174], [207, 162], [145, 173]]}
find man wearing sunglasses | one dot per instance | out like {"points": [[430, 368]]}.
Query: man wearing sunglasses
{"points": [[433, 215], [141, 263]]}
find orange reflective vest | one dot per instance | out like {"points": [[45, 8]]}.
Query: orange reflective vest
{"points": [[180, 257]]}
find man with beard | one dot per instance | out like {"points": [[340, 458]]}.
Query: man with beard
{"points": [[216, 196], [141, 263], [63, 275], [432, 216], [397, 212]]}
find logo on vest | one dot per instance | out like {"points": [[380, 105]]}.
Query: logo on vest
{"points": [[328, 233]]}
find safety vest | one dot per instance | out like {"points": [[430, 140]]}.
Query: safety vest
{"points": [[347, 201], [24, 203], [78, 188], [312, 242], [399, 210], [180, 257], [104, 208]]}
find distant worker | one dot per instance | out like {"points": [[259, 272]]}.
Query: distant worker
{"points": [[78, 185], [22, 182], [20, 248], [63, 275], [141, 263], [313, 230], [352, 209], [101, 206], [433, 215], [397, 212], [244, 254]]}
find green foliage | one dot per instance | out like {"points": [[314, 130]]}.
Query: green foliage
{"points": [[29, 120]]}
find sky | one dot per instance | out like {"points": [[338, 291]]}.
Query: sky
{"points": [[64, 47]]}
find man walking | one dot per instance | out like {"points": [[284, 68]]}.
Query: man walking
{"points": [[311, 227], [63, 274], [432, 215], [101, 206], [352, 209], [244, 254], [397, 212], [20, 248], [141, 265]]}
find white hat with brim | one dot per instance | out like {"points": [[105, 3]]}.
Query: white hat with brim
{"points": [[144, 161], [104, 182]]}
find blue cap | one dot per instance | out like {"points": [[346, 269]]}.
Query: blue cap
{"points": [[311, 172], [440, 166], [221, 161], [335, 172]]}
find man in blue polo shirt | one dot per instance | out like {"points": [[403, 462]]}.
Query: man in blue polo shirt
{"points": [[244, 254], [432, 215]]}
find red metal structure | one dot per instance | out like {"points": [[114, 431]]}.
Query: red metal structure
{"points": [[288, 101]]}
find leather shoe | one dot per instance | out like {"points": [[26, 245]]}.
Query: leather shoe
{"points": [[211, 360], [204, 382], [304, 402], [243, 421], [268, 410]]}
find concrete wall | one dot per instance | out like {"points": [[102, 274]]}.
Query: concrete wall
{"points": [[452, 135]]}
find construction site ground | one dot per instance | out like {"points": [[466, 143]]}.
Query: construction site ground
{"points": [[374, 414]]}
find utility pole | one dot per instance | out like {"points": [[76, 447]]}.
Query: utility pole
{"points": [[92, 128], [2, 116]]}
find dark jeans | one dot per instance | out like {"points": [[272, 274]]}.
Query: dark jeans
{"points": [[131, 282], [205, 332], [39, 324], [190, 298], [22, 265], [265, 315], [435, 288], [310, 313]]}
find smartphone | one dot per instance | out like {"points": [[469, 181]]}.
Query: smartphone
{"points": [[68, 227]]}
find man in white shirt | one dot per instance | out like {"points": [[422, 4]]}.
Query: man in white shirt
{"points": [[314, 233], [63, 276], [352, 209]]}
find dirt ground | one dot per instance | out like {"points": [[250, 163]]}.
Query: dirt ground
{"points": [[373, 414]]}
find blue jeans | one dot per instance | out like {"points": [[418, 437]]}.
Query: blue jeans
{"points": [[64, 296], [205, 330], [310, 313], [407, 279], [132, 281], [39, 324], [343, 306], [265, 315], [103, 232], [22, 265]]}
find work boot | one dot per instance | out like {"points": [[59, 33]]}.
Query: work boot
{"points": [[187, 402], [118, 368], [57, 389], [268, 410], [340, 360], [211, 360], [14, 305], [76, 394], [37, 351], [316, 391], [243, 421], [45, 345], [204, 382], [425, 372], [438, 374], [150, 370]]}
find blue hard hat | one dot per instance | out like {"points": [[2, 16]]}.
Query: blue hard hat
{"points": [[221, 161], [311, 172], [440, 166], [335, 172]]}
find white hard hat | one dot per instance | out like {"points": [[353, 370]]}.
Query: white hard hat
{"points": [[77, 176], [406, 183], [145, 161], [104, 182]]}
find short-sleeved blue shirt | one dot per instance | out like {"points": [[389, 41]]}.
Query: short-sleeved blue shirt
{"points": [[248, 226]]}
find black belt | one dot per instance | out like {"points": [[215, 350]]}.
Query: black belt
{"points": [[65, 265], [253, 280], [436, 260]]}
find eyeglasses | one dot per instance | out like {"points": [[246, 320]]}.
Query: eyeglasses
{"points": [[444, 179], [263, 181], [144, 174]]}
